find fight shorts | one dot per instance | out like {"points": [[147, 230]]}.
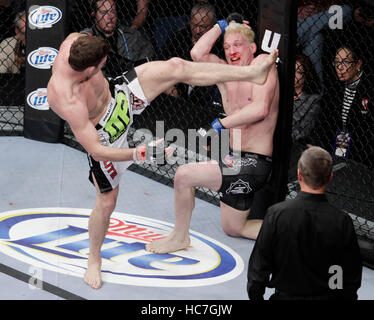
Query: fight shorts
{"points": [[242, 175], [127, 99]]}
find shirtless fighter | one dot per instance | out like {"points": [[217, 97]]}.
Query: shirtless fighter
{"points": [[251, 108], [100, 111]]}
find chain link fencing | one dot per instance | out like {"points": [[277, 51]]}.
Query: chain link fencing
{"points": [[333, 105], [171, 28], [12, 67]]}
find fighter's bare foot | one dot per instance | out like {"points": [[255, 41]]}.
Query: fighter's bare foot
{"points": [[265, 66], [93, 274], [169, 244]]}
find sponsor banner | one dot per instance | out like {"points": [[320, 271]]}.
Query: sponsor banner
{"points": [[41, 17], [42, 58], [46, 28], [57, 239], [38, 99]]}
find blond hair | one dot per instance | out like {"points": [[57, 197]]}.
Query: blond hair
{"points": [[235, 27]]}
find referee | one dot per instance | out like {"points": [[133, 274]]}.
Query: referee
{"points": [[307, 246]]}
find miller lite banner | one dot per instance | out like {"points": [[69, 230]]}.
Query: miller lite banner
{"points": [[46, 29]]}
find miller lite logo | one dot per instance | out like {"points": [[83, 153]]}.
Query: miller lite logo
{"points": [[42, 58], [44, 16], [38, 99], [57, 239]]}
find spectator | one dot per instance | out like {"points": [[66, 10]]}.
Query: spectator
{"points": [[305, 241], [128, 48], [202, 19], [359, 30], [347, 108], [6, 17], [141, 14], [364, 13], [313, 17], [169, 18], [12, 49], [133, 14], [306, 109], [194, 100]]}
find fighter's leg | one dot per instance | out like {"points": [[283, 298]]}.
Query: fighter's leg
{"points": [[97, 228], [187, 177], [157, 76], [235, 223]]}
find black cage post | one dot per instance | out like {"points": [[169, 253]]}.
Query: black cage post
{"points": [[46, 29]]}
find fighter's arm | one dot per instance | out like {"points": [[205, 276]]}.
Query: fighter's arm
{"points": [[259, 106], [86, 134], [201, 51]]}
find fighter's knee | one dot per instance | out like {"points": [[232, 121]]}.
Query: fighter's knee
{"points": [[176, 65], [107, 208], [106, 204], [231, 230], [181, 177], [246, 230]]}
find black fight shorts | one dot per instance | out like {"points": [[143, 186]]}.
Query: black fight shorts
{"points": [[242, 176]]}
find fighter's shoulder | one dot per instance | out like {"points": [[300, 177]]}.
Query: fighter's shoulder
{"points": [[260, 58], [273, 71], [67, 107], [75, 35], [70, 39], [54, 94], [54, 98]]}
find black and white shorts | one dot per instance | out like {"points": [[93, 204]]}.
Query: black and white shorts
{"points": [[127, 99], [242, 176]]}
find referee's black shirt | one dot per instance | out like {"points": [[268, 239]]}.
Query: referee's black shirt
{"points": [[299, 241]]}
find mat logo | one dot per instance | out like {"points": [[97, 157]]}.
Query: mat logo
{"points": [[57, 239], [38, 99], [42, 58], [41, 17]]}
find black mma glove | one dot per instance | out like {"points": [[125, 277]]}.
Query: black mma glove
{"points": [[237, 17]]}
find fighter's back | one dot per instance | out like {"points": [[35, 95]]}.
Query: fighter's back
{"points": [[68, 88]]}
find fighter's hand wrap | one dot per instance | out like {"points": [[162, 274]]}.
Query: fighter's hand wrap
{"points": [[222, 24], [153, 152], [216, 126], [210, 135]]}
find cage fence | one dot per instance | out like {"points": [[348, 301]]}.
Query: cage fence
{"points": [[333, 105]]}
